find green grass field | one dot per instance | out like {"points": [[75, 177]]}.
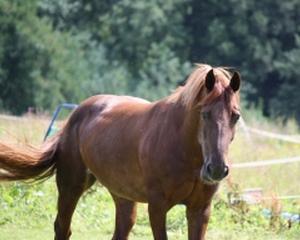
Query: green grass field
{"points": [[28, 211], [16, 233]]}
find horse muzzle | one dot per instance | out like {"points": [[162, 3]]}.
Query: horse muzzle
{"points": [[213, 173]]}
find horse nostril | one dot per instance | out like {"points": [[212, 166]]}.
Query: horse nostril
{"points": [[226, 171], [209, 169]]}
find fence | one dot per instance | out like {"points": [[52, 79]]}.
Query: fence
{"points": [[263, 177]]}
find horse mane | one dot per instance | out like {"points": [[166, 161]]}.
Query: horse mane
{"points": [[190, 93]]}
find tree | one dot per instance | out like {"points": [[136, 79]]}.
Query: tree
{"points": [[128, 31], [40, 66], [17, 56], [65, 50], [256, 37]]}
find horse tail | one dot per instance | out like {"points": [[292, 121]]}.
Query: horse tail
{"points": [[27, 162]]}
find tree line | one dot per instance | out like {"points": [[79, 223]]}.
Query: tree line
{"points": [[53, 51]]}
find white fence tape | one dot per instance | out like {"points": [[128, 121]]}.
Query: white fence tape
{"points": [[265, 162], [282, 137], [288, 197], [263, 133]]}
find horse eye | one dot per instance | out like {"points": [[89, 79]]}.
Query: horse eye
{"points": [[235, 117], [206, 115]]}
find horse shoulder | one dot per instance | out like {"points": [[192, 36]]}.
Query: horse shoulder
{"points": [[163, 157]]}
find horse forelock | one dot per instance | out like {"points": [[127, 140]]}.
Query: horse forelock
{"points": [[194, 91]]}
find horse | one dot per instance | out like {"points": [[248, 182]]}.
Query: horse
{"points": [[168, 152]]}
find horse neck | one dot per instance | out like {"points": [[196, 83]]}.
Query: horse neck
{"points": [[190, 133], [186, 122]]}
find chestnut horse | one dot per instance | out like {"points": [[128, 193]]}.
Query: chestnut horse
{"points": [[168, 152]]}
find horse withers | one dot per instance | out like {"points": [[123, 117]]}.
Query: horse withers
{"points": [[168, 152]]}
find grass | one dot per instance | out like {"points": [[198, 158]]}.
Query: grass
{"points": [[15, 233], [275, 179], [28, 211]]}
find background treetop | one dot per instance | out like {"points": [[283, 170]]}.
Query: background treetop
{"points": [[66, 50]]}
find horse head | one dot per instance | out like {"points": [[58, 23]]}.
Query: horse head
{"points": [[219, 113]]}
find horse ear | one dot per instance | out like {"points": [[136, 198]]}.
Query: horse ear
{"points": [[210, 80], [235, 81]]}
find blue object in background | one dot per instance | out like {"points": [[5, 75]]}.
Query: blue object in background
{"points": [[52, 128], [285, 215]]}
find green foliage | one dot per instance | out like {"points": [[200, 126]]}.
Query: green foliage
{"points": [[16, 58], [38, 65], [260, 39], [143, 42], [66, 50], [32, 208], [288, 101], [164, 70], [106, 77]]}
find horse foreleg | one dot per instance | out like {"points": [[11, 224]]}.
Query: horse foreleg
{"points": [[197, 221], [125, 217], [157, 215]]}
